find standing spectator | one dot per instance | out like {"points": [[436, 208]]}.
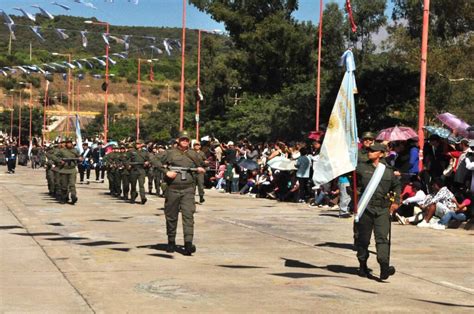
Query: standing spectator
{"points": [[435, 158], [303, 164], [344, 196], [97, 156], [85, 165], [230, 153], [11, 154]]}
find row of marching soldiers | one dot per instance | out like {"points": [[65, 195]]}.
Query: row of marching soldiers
{"points": [[130, 164], [126, 166]]}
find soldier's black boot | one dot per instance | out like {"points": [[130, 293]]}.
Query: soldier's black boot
{"points": [[363, 271], [144, 201], [171, 247], [189, 248], [201, 199], [386, 271], [73, 199]]}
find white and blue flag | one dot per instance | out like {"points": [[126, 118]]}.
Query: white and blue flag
{"points": [[78, 135], [339, 149]]}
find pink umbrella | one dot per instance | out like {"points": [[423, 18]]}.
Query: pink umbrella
{"points": [[397, 133], [454, 123], [315, 135]]}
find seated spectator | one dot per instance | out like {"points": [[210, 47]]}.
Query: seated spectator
{"points": [[411, 205], [264, 182], [249, 186], [460, 213], [439, 205]]}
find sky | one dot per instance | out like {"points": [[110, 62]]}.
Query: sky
{"points": [[166, 13]]}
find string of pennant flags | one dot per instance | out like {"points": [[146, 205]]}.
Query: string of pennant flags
{"points": [[49, 68], [47, 14], [168, 44]]}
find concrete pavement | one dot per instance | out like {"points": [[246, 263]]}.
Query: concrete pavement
{"points": [[106, 256]]}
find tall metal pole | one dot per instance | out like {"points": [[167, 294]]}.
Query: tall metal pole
{"points": [[44, 108], [198, 101], [106, 122], [68, 96], [31, 111], [183, 48], [318, 81], [11, 118], [19, 120], [424, 56], [138, 98]]}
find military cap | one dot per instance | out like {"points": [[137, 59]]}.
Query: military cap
{"points": [[368, 135], [378, 147], [196, 143], [129, 145], [183, 134]]}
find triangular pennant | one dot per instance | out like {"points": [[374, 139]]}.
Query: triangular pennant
{"points": [[61, 33], [156, 49], [36, 30], [84, 38], [43, 12], [105, 37], [126, 39], [7, 18], [11, 28]]}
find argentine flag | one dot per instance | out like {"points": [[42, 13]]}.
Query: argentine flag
{"points": [[339, 149], [78, 135]]}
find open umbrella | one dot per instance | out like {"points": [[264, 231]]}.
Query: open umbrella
{"points": [[315, 135], [248, 164], [282, 163], [440, 131], [397, 133], [457, 125]]}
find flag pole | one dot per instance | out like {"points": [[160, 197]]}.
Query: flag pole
{"points": [[183, 48], [19, 120], [10, 44], [44, 108], [424, 56], [318, 82], [31, 113], [138, 99], [11, 117], [198, 102]]}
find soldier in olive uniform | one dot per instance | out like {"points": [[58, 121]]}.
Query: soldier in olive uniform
{"points": [[57, 165], [69, 157], [377, 215], [368, 139], [138, 160], [49, 165], [180, 192], [126, 172], [199, 177]]}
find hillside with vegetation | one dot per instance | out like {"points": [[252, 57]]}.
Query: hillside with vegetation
{"points": [[259, 81]]}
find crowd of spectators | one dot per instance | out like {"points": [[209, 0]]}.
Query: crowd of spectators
{"points": [[434, 197]]}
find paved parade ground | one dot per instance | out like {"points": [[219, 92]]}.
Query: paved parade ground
{"points": [[253, 255]]}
